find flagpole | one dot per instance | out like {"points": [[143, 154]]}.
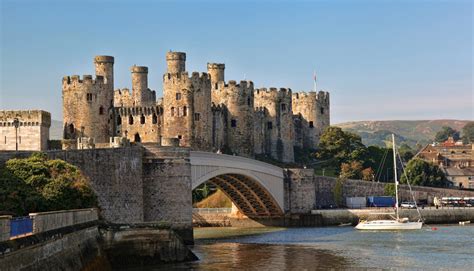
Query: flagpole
{"points": [[314, 81]]}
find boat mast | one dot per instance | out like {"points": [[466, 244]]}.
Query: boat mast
{"points": [[395, 175]]}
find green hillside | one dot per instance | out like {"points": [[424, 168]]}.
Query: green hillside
{"points": [[411, 132]]}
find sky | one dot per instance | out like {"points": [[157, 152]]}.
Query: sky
{"points": [[380, 60]]}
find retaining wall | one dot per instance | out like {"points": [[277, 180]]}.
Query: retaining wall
{"points": [[5, 227], [59, 219]]}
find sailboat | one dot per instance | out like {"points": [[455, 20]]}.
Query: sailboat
{"points": [[396, 223]]}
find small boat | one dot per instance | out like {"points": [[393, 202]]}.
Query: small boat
{"points": [[396, 223], [464, 222]]}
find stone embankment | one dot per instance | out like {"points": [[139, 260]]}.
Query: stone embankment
{"points": [[78, 240], [429, 215]]}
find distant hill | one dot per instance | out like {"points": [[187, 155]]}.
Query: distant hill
{"points": [[56, 130], [411, 132]]}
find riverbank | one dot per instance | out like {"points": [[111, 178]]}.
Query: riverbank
{"points": [[318, 218]]}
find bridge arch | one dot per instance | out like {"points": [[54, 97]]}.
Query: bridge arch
{"points": [[255, 187]]}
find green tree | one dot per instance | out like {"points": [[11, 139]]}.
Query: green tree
{"points": [[389, 189], [406, 152], [43, 185], [340, 147], [468, 132], [422, 173], [445, 133]]}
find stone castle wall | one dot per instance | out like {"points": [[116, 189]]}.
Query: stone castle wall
{"points": [[32, 132]]}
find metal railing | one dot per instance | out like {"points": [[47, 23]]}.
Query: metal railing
{"points": [[212, 210]]}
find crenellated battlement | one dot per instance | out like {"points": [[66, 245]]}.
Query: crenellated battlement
{"points": [[273, 93], [322, 97], [184, 78], [139, 69], [104, 59], [75, 80], [244, 88]]}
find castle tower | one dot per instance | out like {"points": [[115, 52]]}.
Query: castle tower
{"points": [[139, 84], [314, 110], [216, 71], [186, 104], [238, 100], [276, 129], [176, 62], [87, 103]]}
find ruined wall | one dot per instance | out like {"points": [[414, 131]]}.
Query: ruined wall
{"points": [[313, 109], [32, 132], [87, 102], [277, 129], [139, 124], [238, 102]]}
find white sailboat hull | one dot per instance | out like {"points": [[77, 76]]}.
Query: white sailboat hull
{"points": [[388, 225]]}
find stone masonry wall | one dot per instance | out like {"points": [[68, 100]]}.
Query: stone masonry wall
{"points": [[358, 188], [33, 130], [300, 196]]}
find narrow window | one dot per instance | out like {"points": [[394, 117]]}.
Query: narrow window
{"points": [[283, 107], [233, 123], [137, 137], [130, 119], [269, 125], [215, 85], [197, 116], [142, 119], [154, 119], [185, 111], [248, 101], [89, 97], [172, 111], [180, 137], [311, 125], [101, 110], [322, 111], [178, 96], [71, 128], [119, 120]]}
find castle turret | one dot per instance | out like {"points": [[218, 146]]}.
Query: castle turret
{"points": [[314, 110], [139, 84], [216, 71], [276, 131], [176, 62], [238, 100], [104, 66]]}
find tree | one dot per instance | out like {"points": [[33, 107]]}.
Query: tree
{"points": [[445, 133], [422, 173], [38, 184], [406, 152], [468, 132], [389, 189], [351, 170], [340, 147], [368, 174]]}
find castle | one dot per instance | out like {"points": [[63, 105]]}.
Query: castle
{"points": [[201, 111]]}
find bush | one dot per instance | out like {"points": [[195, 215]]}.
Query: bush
{"points": [[36, 184]]}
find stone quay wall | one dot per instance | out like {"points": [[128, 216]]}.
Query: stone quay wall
{"points": [[358, 188], [47, 221]]}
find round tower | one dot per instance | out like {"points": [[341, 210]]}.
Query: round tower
{"points": [[216, 71], [139, 84], [104, 66], [176, 62]]}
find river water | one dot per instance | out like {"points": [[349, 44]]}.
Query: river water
{"points": [[433, 247]]}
